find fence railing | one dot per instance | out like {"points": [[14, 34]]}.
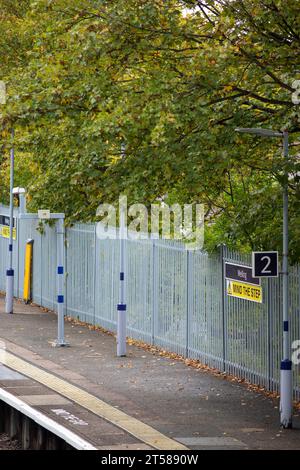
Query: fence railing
{"points": [[175, 298]]}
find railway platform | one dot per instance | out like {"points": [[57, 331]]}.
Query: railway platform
{"points": [[144, 401]]}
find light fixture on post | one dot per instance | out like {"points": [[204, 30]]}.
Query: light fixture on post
{"points": [[286, 384]]}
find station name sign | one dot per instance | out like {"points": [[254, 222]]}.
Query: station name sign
{"points": [[240, 283], [4, 227]]}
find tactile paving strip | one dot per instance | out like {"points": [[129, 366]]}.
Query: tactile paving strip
{"points": [[136, 428]]}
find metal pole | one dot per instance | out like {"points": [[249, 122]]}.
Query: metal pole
{"points": [[270, 337], [188, 280], [154, 292], [121, 323], [286, 387], [9, 301], [222, 246], [60, 232], [189, 291]]}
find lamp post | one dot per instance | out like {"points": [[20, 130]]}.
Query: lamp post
{"points": [[9, 299], [286, 387]]}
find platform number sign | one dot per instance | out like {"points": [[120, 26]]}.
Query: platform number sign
{"points": [[265, 264]]}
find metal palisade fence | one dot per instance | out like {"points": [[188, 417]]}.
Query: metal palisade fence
{"points": [[176, 299]]}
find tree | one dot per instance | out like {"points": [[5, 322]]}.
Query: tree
{"points": [[172, 84]]}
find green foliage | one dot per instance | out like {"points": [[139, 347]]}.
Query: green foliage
{"points": [[84, 76]]}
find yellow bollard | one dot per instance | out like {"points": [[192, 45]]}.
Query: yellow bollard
{"points": [[28, 271]]}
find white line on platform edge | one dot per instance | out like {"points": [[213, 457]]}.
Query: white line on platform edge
{"points": [[47, 423]]}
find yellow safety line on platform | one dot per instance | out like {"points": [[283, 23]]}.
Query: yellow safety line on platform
{"points": [[133, 426]]}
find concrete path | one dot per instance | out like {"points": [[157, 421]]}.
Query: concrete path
{"points": [[187, 405]]}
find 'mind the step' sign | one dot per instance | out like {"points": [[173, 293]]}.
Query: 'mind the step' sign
{"points": [[240, 282]]}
